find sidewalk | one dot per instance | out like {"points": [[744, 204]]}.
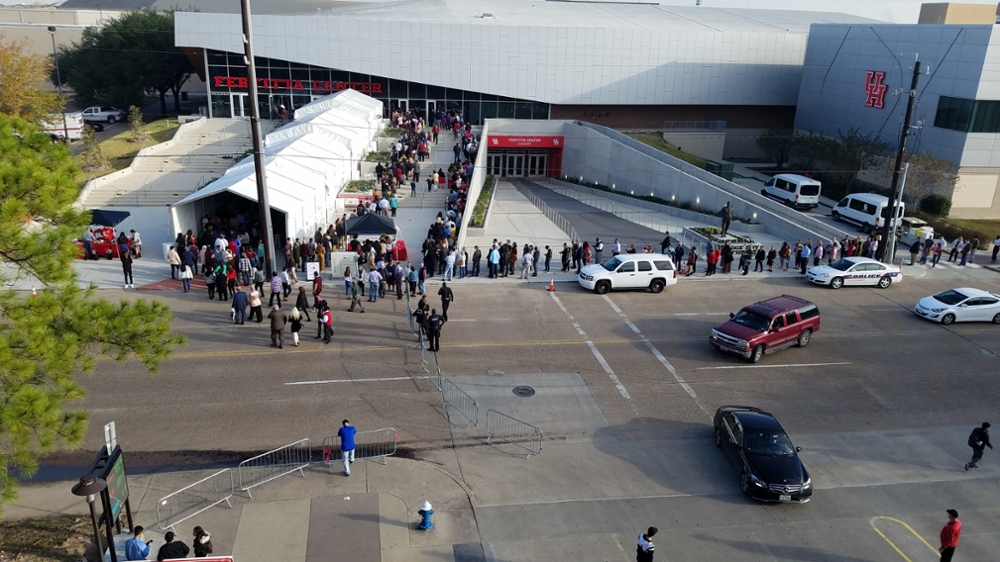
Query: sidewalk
{"points": [[370, 516]]}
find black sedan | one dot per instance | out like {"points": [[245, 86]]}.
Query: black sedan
{"points": [[769, 466]]}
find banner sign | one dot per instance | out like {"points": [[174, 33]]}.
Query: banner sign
{"points": [[524, 141]]}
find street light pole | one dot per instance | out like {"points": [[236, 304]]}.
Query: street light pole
{"points": [[55, 61], [258, 142]]}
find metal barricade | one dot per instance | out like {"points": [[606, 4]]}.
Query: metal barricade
{"points": [[409, 313], [514, 431], [461, 401], [368, 445], [429, 363], [189, 501], [275, 464]]}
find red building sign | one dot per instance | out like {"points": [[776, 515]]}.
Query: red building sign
{"points": [[524, 141], [241, 83], [875, 89]]}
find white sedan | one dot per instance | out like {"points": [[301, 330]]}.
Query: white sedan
{"points": [[960, 305], [855, 271]]}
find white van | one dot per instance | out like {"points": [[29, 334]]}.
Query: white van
{"points": [[55, 127], [793, 190], [867, 210], [629, 271]]}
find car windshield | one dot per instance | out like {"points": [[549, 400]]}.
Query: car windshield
{"points": [[753, 320], [612, 264], [950, 297], [842, 264], [768, 443]]}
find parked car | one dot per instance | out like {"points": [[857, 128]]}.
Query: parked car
{"points": [[960, 305], [855, 271], [103, 113], [629, 271], [766, 327], [793, 190], [867, 210], [768, 464], [97, 126]]}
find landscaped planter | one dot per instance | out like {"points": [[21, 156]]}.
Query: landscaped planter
{"points": [[737, 243]]}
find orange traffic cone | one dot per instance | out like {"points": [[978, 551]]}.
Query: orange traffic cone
{"points": [[552, 284], [682, 270], [34, 293]]}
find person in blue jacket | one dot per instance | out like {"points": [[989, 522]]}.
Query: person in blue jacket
{"points": [[135, 547], [346, 434]]}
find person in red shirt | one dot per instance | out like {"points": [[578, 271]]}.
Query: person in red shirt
{"points": [[949, 536]]}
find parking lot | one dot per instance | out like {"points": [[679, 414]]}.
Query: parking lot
{"points": [[881, 402]]}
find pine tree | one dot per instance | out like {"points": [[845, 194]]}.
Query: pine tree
{"points": [[48, 341]]}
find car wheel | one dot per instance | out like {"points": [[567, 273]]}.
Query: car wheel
{"points": [[111, 119], [744, 483], [949, 318], [804, 338], [763, 192], [657, 285], [718, 438], [996, 319], [836, 282], [602, 287], [884, 283], [866, 228], [836, 216], [757, 353]]}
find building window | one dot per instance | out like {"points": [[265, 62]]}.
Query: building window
{"points": [[968, 116]]}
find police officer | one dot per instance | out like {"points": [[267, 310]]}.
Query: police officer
{"points": [[447, 296], [433, 328]]}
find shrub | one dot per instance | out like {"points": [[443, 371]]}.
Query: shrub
{"points": [[359, 186], [936, 205], [378, 156], [483, 203]]}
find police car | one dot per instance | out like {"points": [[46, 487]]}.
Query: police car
{"points": [[855, 271]]}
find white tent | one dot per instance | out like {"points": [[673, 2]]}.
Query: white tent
{"points": [[307, 163]]}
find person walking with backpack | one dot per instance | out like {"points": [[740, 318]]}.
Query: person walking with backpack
{"points": [[979, 439]]}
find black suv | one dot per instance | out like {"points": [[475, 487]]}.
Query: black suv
{"points": [[769, 466]]}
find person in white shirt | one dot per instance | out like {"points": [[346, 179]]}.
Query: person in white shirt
{"points": [[644, 546], [996, 249], [617, 248], [373, 278], [449, 266], [136, 244], [527, 260]]}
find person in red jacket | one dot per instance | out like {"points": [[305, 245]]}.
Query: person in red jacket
{"points": [[949, 536]]}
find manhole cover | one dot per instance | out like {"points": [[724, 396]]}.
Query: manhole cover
{"points": [[524, 391]]}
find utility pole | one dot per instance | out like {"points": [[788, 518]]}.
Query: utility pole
{"points": [[258, 144], [55, 61], [888, 229]]}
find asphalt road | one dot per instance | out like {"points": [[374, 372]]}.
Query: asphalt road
{"points": [[880, 400]]}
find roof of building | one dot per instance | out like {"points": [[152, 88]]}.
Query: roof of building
{"points": [[532, 13]]}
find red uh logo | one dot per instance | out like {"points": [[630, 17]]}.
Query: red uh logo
{"points": [[875, 89]]}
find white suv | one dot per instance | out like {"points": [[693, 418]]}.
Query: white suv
{"points": [[629, 271]]}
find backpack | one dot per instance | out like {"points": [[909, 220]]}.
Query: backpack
{"points": [[974, 440]]}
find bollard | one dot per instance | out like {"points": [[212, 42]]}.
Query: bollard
{"points": [[425, 512]]}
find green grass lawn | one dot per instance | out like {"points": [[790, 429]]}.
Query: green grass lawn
{"points": [[119, 150], [656, 141], [990, 228]]}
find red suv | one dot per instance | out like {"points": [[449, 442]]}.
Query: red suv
{"points": [[766, 327]]}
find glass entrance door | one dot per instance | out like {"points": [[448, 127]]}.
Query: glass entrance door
{"points": [[494, 163], [240, 105], [537, 167], [514, 166]]}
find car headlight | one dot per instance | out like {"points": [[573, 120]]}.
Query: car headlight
{"points": [[807, 484], [822, 275], [757, 482], [936, 310]]}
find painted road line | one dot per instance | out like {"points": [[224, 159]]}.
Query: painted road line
{"points": [[899, 551], [299, 383], [656, 352], [593, 349], [772, 366]]}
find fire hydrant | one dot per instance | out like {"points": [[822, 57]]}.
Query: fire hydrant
{"points": [[425, 512]]}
